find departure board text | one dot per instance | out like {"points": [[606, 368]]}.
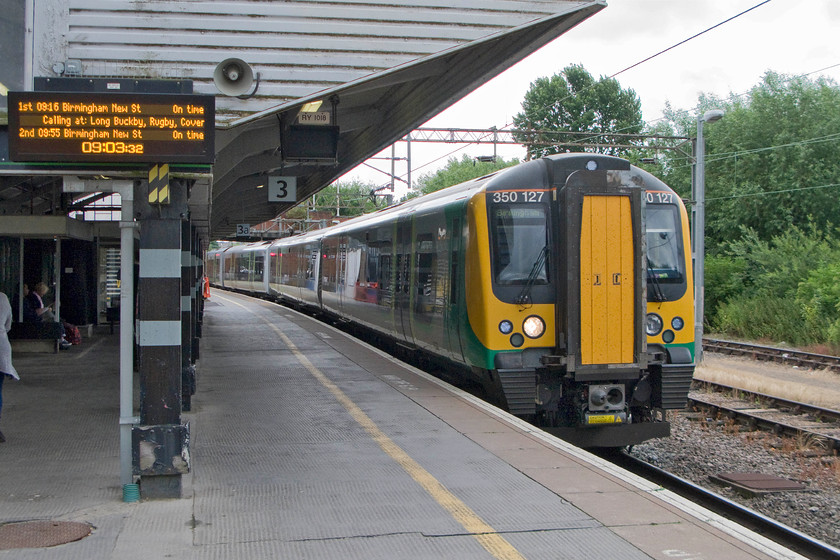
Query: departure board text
{"points": [[111, 127]]}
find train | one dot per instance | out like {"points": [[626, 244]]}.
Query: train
{"points": [[562, 287]]}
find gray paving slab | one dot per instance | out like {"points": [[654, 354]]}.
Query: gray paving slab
{"points": [[284, 467]]}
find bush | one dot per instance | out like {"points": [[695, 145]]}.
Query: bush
{"points": [[724, 281], [766, 318], [777, 267], [819, 298]]}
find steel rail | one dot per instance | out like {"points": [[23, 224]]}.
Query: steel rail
{"points": [[778, 532], [777, 426], [793, 407], [770, 353]]}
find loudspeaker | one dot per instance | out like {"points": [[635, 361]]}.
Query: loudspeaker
{"points": [[233, 76]]}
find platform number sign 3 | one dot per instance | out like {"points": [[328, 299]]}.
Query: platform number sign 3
{"points": [[282, 189]]}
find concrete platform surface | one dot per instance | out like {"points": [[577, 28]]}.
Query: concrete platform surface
{"points": [[308, 444]]}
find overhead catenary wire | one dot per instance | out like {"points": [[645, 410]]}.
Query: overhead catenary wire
{"points": [[768, 193], [460, 148]]}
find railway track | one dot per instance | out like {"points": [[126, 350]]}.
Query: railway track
{"points": [[759, 411], [773, 530], [772, 354]]}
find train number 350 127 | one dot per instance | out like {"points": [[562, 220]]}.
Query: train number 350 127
{"points": [[518, 196]]}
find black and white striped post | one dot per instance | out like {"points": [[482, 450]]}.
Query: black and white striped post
{"points": [[160, 444]]}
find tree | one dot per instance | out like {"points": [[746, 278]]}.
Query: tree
{"points": [[573, 101], [457, 172], [340, 199], [347, 199], [771, 162]]}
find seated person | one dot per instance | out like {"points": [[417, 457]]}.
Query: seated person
{"points": [[44, 313], [29, 315], [36, 299]]}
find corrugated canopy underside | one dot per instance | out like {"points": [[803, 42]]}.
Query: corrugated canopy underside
{"points": [[372, 113]]}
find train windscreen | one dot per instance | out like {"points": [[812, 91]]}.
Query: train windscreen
{"points": [[664, 257], [519, 239]]}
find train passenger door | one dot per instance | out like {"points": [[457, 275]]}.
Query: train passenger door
{"points": [[402, 289]]}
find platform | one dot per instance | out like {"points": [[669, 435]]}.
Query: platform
{"points": [[309, 444]]}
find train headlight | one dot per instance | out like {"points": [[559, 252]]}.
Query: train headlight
{"points": [[677, 323], [533, 326], [668, 337], [505, 327], [653, 324]]}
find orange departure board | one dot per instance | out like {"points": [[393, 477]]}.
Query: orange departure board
{"points": [[111, 127]]}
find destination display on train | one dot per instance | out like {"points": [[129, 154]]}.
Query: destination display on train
{"points": [[111, 127]]}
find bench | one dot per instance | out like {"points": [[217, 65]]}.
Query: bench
{"points": [[35, 337]]}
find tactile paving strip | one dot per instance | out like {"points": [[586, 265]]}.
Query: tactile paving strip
{"points": [[41, 534]]}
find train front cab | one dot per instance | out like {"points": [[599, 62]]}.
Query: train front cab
{"points": [[585, 281], [669, 323]]}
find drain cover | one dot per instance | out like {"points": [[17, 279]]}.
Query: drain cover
{"points": [[41, 534], [757, 483]]}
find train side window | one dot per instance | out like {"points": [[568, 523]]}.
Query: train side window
{"points": [[426, 263], [385, 271], [454, 259], [312, 265]]}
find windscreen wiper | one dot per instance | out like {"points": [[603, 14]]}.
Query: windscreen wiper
{"points": [[658, 294], [524, 296]]}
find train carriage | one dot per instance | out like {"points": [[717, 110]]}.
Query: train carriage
{"points": [[562, 286]]}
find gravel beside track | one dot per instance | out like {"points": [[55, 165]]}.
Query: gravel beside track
{"points": [[701, 447]]}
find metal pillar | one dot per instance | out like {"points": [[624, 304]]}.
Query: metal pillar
{"points": [[700, 232], [198, 293], [161, 442], [127, 418], [699, 241], [187, 290], [57, 276]]}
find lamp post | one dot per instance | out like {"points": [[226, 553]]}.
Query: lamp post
{"points": [[699, 230]]}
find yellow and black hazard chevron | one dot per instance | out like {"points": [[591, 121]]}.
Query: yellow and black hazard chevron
{"points": [[159, 184]]}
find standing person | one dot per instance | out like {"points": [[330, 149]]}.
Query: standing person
{"points": [[6, 367]]}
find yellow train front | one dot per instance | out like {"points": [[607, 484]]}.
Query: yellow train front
{"points": [[579, 286]]}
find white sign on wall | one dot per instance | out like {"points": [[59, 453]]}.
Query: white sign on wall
{"points": [[321, 118], [282, 189]]}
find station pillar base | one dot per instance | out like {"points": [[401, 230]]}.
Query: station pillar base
{"points": [[160, 487]]}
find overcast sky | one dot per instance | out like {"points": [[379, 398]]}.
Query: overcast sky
{"points": [[785, 36]]}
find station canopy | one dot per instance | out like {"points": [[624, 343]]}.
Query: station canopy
{"points": [[379, 70], [370, 113]]}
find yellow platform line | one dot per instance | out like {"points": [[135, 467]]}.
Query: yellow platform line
{"points": [[488, 537]]}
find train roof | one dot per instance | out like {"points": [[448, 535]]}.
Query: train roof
{"points": [[543, 171], [412, 206]]}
